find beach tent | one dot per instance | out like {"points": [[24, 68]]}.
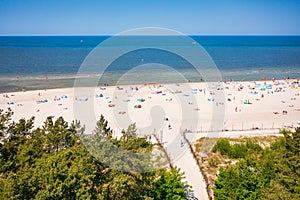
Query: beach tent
{"points": [[269, 87], [64, 97], [42, 101], [10, 103], [140, 99], [247, 102], [100, 95]]}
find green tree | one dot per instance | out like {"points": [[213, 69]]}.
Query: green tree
{"points": [[102, 128], [240, 182], [169, 186], [288, 164], [52, 163]]}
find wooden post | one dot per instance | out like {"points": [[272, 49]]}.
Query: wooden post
{"points": [[273, 125]]}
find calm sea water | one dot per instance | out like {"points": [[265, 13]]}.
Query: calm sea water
{"points": [[53, 61]]}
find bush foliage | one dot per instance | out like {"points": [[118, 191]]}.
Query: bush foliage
{"points": [[271, 173]]}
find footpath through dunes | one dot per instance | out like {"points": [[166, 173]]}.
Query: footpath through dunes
{"points": [[192, 173]]}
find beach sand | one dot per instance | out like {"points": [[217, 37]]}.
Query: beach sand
{"points": [[264, 111], [167, 110]]}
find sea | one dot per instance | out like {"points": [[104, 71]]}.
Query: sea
{"points": [[44, 62]]}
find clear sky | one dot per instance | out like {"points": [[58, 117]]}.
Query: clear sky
{"points": [[105, 17]]}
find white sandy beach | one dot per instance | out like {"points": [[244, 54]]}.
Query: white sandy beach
{"points": [[169, 109], [265, 110]]}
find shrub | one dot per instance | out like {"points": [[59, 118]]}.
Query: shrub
{"points": [[222, 146]]}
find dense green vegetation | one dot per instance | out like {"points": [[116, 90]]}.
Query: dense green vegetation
{"points": [[237, 150], [52, 162], [269, 173]]}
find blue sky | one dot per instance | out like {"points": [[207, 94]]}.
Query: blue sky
{"points": [[199, 17]]}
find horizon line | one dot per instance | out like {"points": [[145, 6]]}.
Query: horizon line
{"points": [[42, 35]]}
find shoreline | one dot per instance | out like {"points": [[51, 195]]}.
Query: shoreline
{"points": [[49, 79]]}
